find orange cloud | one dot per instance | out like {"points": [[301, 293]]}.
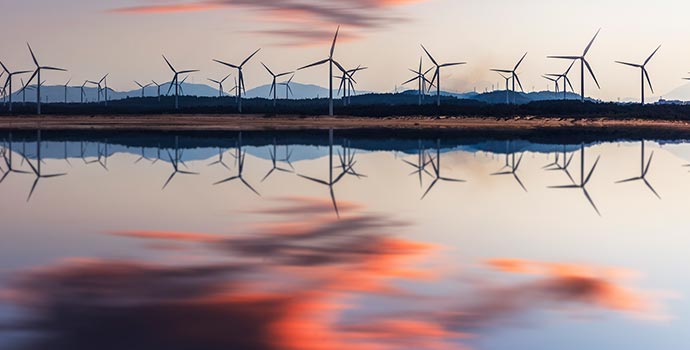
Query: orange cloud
{"points": [[162, 9], [173, 236]]}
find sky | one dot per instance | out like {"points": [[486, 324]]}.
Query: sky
{"points": [[126, 38]]}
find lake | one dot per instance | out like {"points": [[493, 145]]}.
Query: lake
{"points": [[328, 240]]}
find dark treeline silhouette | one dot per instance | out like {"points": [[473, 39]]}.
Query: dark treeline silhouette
{"points": [[368, 105]]}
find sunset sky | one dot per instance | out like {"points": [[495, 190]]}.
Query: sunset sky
{"points": [[127, 37]]}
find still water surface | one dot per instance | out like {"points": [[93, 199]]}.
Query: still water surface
{"points": [[238, 241]]}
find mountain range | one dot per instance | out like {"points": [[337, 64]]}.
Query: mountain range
{"points": [[52, 93]]}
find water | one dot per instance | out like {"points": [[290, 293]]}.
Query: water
{"points": [[122, 252]]}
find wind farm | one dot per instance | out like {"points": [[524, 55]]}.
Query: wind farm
{"points": [[363, 174]]}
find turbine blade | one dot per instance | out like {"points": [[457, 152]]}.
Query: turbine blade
{"points": [[520, 62], [591, 72], [629, 64], [226, 64], [590, 43], [249, 58], [652, 55], [169, 65], [430, 57], [32, 55], [649, 81], [314, 64], [335, 38]]}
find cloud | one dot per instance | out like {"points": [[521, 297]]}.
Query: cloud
{"points": [[288, 286], [303, 22]]}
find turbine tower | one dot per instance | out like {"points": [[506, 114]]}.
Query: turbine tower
{"points": [[583, 63], [274, 88], [421, 81], [8, 82], [437, 73], [513, 75], [288, 89], [37, 75], [330, 62], [566, 80], [158, 87], [66, 86], [643, 71], [176, 82], [220, 84], [143, 88], [240, 88]]}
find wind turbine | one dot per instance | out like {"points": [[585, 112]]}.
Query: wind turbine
{"points": [[143, 88], [556, 166], [436, 165], [176, 161], [347, 160], [104, 80], [220, 84], [158, 87], [288, 89], [66, 86], [512, 166], [7, 157], [583, 63], [330, 62], [513, 75], [332, 180], [240, 156], [644, 169], [37, 169], [421, 81], [584, 180], [143, 156], [175, 81], [437, 73], [347, 82], [422, 163], [8, 82], [566, 80], [274, 88], [240, 88], [220, 159], [82, 93], [555, 81], [273, 152], [37, 74], [643, 71], [507, 79]]}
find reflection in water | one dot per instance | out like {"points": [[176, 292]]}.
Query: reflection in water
{"points": [[240, 157], [556, 166], [142, 157], [37, 168], [220, 160], [307, 281], [584, 180], [7, 154], [331, 180], [512, 166], [175, 161], [436, 165], [421, 165], [643, 172], [274, 162]]}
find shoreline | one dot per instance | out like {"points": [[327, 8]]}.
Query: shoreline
{"points": [[205, 122]]}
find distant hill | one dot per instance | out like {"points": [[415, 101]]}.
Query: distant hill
{"points": [[299, 91], [56, 94], [681, 93]]}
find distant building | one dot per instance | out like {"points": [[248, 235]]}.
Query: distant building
{"points": [[672, 102]]}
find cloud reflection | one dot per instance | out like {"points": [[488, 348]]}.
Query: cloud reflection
{"points": [[290, 284]]}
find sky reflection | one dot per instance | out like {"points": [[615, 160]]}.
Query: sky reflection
{"points": [[105, 257]]}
